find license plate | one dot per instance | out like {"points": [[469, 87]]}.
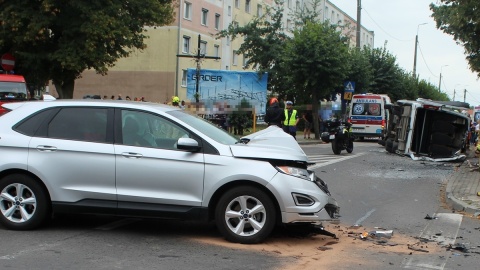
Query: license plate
{"points": [[332, 137]]}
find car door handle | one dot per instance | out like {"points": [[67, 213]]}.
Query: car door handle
{"points": [[46, 148], [131, 155]]}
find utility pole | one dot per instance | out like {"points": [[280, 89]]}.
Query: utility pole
{"points": [[453, 94], [359, 24], [198, 57], [464, 95], [415, 55], [440, 81]]}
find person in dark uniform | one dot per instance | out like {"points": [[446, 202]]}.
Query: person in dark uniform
{"points": [[275, 115]]}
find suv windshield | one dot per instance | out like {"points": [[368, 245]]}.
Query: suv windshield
{"points": [[13, 90], [207, 128]]}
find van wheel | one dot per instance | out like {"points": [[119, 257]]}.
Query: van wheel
{"points": [[389, 145], [24, 203], [245, 215]]}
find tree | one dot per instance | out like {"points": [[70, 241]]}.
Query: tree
{"points": [[58, 40], [360, 70], [461, 19], [316, 58]]}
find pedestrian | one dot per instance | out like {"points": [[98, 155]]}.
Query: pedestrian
{"points": [[135, 99], [182, 105], [119, 97], [142, 99], [274, 115], [113, 97], [128, 98], [308, 120], [291, 120], [105, 97], [175, 101]]}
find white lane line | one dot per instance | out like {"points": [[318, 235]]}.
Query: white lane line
{"points": [[448, 225], [28, 251], [362, 219], [117, 224], [335, 160]]}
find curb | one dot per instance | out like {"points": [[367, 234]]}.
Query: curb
{"points": [[453, 202]]}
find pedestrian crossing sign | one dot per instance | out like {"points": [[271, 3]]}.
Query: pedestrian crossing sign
{"points": [[349, 86]]}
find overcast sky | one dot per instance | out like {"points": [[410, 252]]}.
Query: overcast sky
{"points": [[396, 22]]}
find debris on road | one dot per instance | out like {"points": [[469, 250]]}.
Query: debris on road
{"points": [[417, 249], [430, 217]]}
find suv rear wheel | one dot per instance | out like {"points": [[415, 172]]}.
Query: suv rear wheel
{"points": [[23, 202], [245, 215]]}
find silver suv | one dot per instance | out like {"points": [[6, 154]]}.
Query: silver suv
{"points": [[150, 160]]}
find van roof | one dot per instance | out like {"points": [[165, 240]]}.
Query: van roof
{"points": [[11, 78]]}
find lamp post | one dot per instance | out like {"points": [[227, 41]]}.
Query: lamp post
{"points": [[415, 55], [440, 81]]}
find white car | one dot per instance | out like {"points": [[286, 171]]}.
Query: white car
{"points": [[150, 160]]}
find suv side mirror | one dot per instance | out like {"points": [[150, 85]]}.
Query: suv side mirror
{"points": [[188, 144]]}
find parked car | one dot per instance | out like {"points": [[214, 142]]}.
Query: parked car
{"points": [[152, 160], [428, 130], [13, 88]]}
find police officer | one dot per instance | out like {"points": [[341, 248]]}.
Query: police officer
{"points": [[291, 120], [175, 101]]}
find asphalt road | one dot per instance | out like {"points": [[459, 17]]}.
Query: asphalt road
{"points": [[373, 188]]}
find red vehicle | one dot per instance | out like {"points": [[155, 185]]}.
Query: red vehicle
{"points": [[13, 88]]}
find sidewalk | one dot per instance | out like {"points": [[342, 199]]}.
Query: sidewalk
{"points": [[463, 185]]}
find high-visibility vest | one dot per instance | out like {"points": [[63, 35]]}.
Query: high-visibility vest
{"points": [[292, 120]]}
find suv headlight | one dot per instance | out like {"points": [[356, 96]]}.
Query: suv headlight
{"points": [[294, 171]]}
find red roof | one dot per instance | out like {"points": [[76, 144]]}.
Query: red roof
{"points": [[11, 78]]}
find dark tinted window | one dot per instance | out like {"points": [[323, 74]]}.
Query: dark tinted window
{"points": [[30, 125], [81, 124]]}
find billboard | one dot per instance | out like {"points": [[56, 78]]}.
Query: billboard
{"points": [[229, 88]]}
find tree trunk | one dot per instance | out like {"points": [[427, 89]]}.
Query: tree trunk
{"points": [[316, 127], [65, 88]]}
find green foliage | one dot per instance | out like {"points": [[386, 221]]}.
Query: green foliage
{"points": [[58, 40], [360, 71], [461, 19]]}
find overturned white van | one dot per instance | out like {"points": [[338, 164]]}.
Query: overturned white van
{"points": [[428, 130]]}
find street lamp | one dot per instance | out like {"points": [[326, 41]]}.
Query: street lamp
{"points": [[415, 56], [440, 81]]}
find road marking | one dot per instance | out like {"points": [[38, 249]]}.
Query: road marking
{"points": [[362, 219], [324, 160], [117, 224], [448, 225]]}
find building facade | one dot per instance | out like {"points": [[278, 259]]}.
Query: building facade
{"points": [[159, 71]]}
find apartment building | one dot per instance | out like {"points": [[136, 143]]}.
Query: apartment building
{"points": [[159, 71]]}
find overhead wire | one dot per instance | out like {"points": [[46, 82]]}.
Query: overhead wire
{"points": [[388, 34], [424, 61]]}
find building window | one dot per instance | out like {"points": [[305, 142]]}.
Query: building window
{"points": [[227, 67], [289, 3], [297, 5], [186, 44], [229, 11], [235, 24], [228, 41], [216, 50], [204, 16], [237, 3], [259, 10], [247, 6], [245, 60], [332, 18], [203, 47], [187, 11], [326, 13], [289, 25], [234, 58], [217, 21], [184, 77]]}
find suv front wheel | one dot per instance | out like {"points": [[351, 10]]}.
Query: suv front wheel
{"points": [[23, 202], [245, 215]]}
